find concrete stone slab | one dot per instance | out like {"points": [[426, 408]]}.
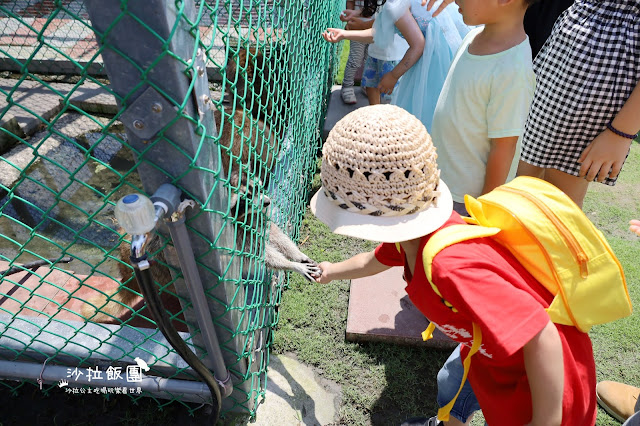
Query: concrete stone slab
{"points": [[21, 156], [94, 99], [338, 109], [69, 303], [55, 279], [102, 343], [49, 45], [295, 395], [31, 106], [380, 310], [14, 295]]}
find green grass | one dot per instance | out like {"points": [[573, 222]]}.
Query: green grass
{"points": [[344, 55], [610, 208], [384, 383]]}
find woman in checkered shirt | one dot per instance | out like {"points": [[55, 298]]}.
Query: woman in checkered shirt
{"points": [[584, 113]]}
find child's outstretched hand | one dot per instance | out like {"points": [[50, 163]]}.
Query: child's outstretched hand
{"points": [[349, 14], [604, 156], [358, 24], [440, 8], [634, 226], [333, 35], [324, 277], [387, 83]]}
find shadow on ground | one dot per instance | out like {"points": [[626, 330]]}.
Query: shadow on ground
{"points": [[410, 374], [28, 405]]}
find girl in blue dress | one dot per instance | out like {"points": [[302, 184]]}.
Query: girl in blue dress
{"points": [[433, 42], [419, 88]]}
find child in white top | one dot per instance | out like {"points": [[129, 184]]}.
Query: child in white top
{"points": [[419, 89], [380, 62], [432, 45], [385, 64], [484, 103]]}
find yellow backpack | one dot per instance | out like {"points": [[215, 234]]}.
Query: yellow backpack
{"points": [[554, 240]]}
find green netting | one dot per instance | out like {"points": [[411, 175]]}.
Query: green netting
{"points": [[71, 145]]}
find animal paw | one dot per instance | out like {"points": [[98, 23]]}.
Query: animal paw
{"points": [[309, 270], [302, 258]]}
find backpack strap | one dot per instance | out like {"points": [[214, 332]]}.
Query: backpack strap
{"points": [[448, 236], [443, 412], [444, 238]]}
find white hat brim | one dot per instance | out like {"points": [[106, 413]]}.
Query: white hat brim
{"points": [[392, 229]]}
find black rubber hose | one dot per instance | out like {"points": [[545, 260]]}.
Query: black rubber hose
{"points": [[154, 303], [34, 264]]}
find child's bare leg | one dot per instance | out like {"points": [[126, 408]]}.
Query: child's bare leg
{"points": [[575, 187], [526, 169], [374, 95]]}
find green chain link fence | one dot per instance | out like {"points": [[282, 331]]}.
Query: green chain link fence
{"points": [[105, 98]]}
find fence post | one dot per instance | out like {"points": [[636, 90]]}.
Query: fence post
{"points": [[158, 74]]}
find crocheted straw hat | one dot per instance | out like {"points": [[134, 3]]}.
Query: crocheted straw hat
{"points": [[380, 179]]}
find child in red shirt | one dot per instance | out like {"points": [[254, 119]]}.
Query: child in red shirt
{"points": [[380, 182]]}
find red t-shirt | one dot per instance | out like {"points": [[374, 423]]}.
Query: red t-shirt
{"points": [[488, 286]]}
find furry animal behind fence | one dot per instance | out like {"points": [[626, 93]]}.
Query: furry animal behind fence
{"points": [[280, 252], [248, 143], [259, 84]]}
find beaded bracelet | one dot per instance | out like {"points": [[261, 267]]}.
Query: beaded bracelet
{"points": [[619, 133]]}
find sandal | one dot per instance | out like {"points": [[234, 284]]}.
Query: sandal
{"points": [[348, 96]]}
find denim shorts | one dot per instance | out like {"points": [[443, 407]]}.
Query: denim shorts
{"points": [[374, 69], [449, 378]]}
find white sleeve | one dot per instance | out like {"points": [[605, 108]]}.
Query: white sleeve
{"points": [[396, 8], [385, 21]]}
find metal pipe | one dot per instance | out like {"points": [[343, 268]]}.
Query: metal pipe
{"points": [[185, 390], [182, 244], [166, 201]]}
